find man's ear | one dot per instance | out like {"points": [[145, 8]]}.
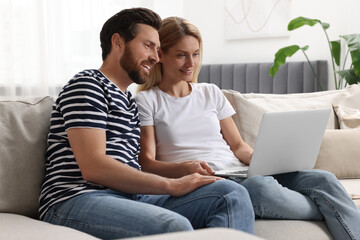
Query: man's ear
{"points": [[117, 42]]}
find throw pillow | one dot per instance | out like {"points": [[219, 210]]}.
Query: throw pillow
{"points": [[250, 108], [339, 153], [347, 117], [24, 125]]}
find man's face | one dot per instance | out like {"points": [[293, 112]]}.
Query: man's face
{"points": [[140, 54]]}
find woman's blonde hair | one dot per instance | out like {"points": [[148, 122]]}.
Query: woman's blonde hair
{"points": [[173, 29]]}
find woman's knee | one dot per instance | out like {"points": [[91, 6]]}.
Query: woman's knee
{"points": [[321, 175], [261, 189], [223, 187], [233, 192]]}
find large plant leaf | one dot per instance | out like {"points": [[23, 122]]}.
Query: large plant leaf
{"points": [[350, 76], [280, 57], [353, 42], [301, 21], [336, 50]]}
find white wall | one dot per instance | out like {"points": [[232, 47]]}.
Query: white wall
{"points": [[208, 15]]}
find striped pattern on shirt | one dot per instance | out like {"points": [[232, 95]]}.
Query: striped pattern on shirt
{"points": [[89, 100]]}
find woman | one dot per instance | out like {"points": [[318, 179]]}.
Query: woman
{"points": [[187, 127]]}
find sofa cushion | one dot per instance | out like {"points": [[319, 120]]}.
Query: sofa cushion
{"points": [[291, 229], [200, 234], [24, 125], [352, 187], [348, 117], [250, 107], [340, 153], [14, 226]]}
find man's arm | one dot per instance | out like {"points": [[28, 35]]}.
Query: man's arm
{"points": [[89, 148], [174, 170], [237, 145]]}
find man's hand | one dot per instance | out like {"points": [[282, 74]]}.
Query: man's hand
{"points": [[184, 185], [195, 166]]}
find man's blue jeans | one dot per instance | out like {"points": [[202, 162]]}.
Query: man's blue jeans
{"points": [[305, 195], [110, 214]]}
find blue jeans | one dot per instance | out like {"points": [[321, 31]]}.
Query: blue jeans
{"points": [[305, 195], [110, 214]]}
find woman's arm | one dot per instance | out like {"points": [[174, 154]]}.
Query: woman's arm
{"points": [[167, 169], [232, 136]]}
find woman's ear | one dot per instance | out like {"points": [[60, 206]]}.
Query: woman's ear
{"points": [[161, 55]]}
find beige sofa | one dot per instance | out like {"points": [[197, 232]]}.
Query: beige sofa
{"points": [[24, 125]]}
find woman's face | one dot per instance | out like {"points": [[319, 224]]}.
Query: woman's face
{"points": [[180, 62]]}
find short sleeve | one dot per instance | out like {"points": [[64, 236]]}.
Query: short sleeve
{"points": [[223, 106], [83, 105], [146, 113]]}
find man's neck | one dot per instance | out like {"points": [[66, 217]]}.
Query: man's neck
{"points": [[116, 75]]}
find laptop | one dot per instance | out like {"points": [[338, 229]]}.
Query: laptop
{"points": [[286, 142]]}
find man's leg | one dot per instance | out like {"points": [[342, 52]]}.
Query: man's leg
{"points": [[108, 214], [274, 201], [220, 204], [340, 212]]}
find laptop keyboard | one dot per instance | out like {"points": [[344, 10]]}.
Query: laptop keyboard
{"points": [[238, 172]]}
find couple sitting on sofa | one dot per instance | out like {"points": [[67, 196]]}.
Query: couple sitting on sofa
{"points": [[95, 120]]}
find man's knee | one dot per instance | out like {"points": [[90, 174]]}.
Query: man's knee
{"points": [[177, 223], [170, 222]]}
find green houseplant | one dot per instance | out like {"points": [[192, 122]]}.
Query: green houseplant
{"points": [[343, 73]]}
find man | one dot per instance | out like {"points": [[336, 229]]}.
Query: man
{"points": [[93, 182]]}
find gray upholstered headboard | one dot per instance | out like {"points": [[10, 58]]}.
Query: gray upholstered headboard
{"points": [[292, 77]]}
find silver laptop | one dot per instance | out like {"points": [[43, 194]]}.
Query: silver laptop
{"points": [[286, 142]]}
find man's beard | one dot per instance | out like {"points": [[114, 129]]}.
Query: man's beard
{"points": [[129, 64]]}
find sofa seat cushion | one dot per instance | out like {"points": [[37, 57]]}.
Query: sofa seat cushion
{"points": [[200, 234], [292, 229], [352, 186], [14, 226], [24, 125]]}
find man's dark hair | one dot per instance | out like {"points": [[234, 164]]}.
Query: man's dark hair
{"points": [[125, 23]]}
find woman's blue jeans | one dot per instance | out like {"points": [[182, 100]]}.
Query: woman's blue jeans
{"points": [[109, 214], [305, 195]]}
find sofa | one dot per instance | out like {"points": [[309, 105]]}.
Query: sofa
{"points": [[24, 125]]}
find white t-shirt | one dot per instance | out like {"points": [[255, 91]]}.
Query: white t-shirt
{"points": [[188, 128]]}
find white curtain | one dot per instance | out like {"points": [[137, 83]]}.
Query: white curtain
{"points": [[44, 43]]}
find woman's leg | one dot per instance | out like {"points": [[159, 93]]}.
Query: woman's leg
{"points": [[340, 212], [108, 214], [220, 204], [272, 200]]}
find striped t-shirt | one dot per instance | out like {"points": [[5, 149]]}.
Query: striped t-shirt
{"points": [[89, 100]]}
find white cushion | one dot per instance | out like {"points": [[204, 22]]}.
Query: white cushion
{"points": [[250, 107], [340, 153], [24, 126], [348, 117], [291, 229], [15, 226], [200, 234]]}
